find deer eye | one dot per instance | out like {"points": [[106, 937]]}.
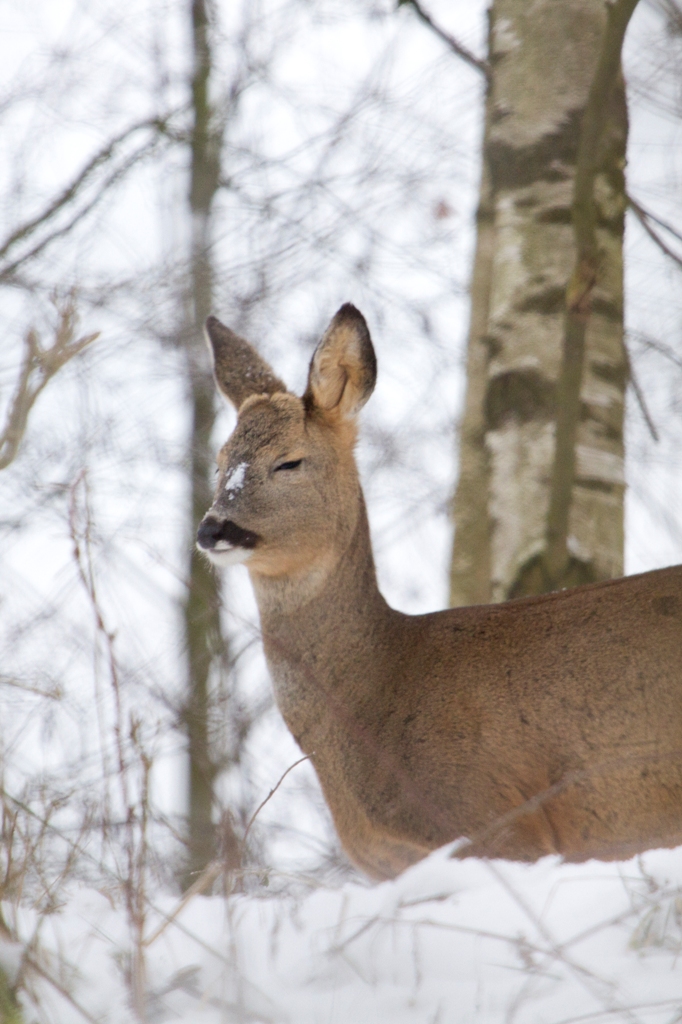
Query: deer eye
{"points": [[294, 464]]}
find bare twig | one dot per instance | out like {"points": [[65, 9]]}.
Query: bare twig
{"points": [[654, 345], [641, 402], [585, 977], [83, 560], [639, 209], [57, 985], [272, 792], [136, 810], [38, 367], [74, 189], [639, 395], [47, 826], [54, 694], [447, 926], [12, 837], [645, 217], [202, 883], [471, 59], [597, 1014]]}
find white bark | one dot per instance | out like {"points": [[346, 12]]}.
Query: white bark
{"points": [[543, 56]]}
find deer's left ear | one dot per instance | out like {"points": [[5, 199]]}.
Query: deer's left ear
{"points": [[239, 371], [343, 370]]}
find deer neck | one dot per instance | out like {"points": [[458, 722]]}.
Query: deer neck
{"points": [[321, 630], [343, 574]]}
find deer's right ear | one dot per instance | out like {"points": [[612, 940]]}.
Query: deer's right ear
{"points": [[239, 370], [343, 370]]}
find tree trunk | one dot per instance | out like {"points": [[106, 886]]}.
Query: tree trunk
{"points": [[10, 1008], [203, 635], [470, 564], [542, 59]]}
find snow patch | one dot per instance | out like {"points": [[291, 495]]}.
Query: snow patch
{"points": [[235, 480], [452, 941]]}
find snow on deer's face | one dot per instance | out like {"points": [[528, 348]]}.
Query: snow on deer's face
{"points": [[283, 489]]}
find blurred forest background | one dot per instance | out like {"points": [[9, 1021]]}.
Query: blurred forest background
{"points": [[267, 161]]}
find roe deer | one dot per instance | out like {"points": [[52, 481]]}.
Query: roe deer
{"points": [[544, 725]]}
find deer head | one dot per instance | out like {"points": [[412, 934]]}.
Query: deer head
{"points": [[288, 493]]}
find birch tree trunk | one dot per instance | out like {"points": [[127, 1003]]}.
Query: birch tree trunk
{"points": [[542, 61]]}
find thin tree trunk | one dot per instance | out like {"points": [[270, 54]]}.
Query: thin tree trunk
{"points": [[542, 61], [204, 640], [470, 564], [10, 1007]]}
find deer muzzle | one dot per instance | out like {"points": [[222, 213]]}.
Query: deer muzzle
{"points": [[222, 535]]}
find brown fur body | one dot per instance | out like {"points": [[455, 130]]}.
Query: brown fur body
{"points": [[545, 725]]}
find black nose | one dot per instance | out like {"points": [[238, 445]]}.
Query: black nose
{"points": [[211, 530]]}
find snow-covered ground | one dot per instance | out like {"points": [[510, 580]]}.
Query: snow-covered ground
{"points": [[447, 942]]}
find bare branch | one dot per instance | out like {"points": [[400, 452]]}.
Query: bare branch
{"points": [[652, 216], [39, 366], [644, 217], [673, 15], [641, 402], [54, 693], [654, 345], [73, 191], [455, 46], [63, 991]]}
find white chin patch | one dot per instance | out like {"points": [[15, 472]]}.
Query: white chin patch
{"points": [[224, 554]]}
